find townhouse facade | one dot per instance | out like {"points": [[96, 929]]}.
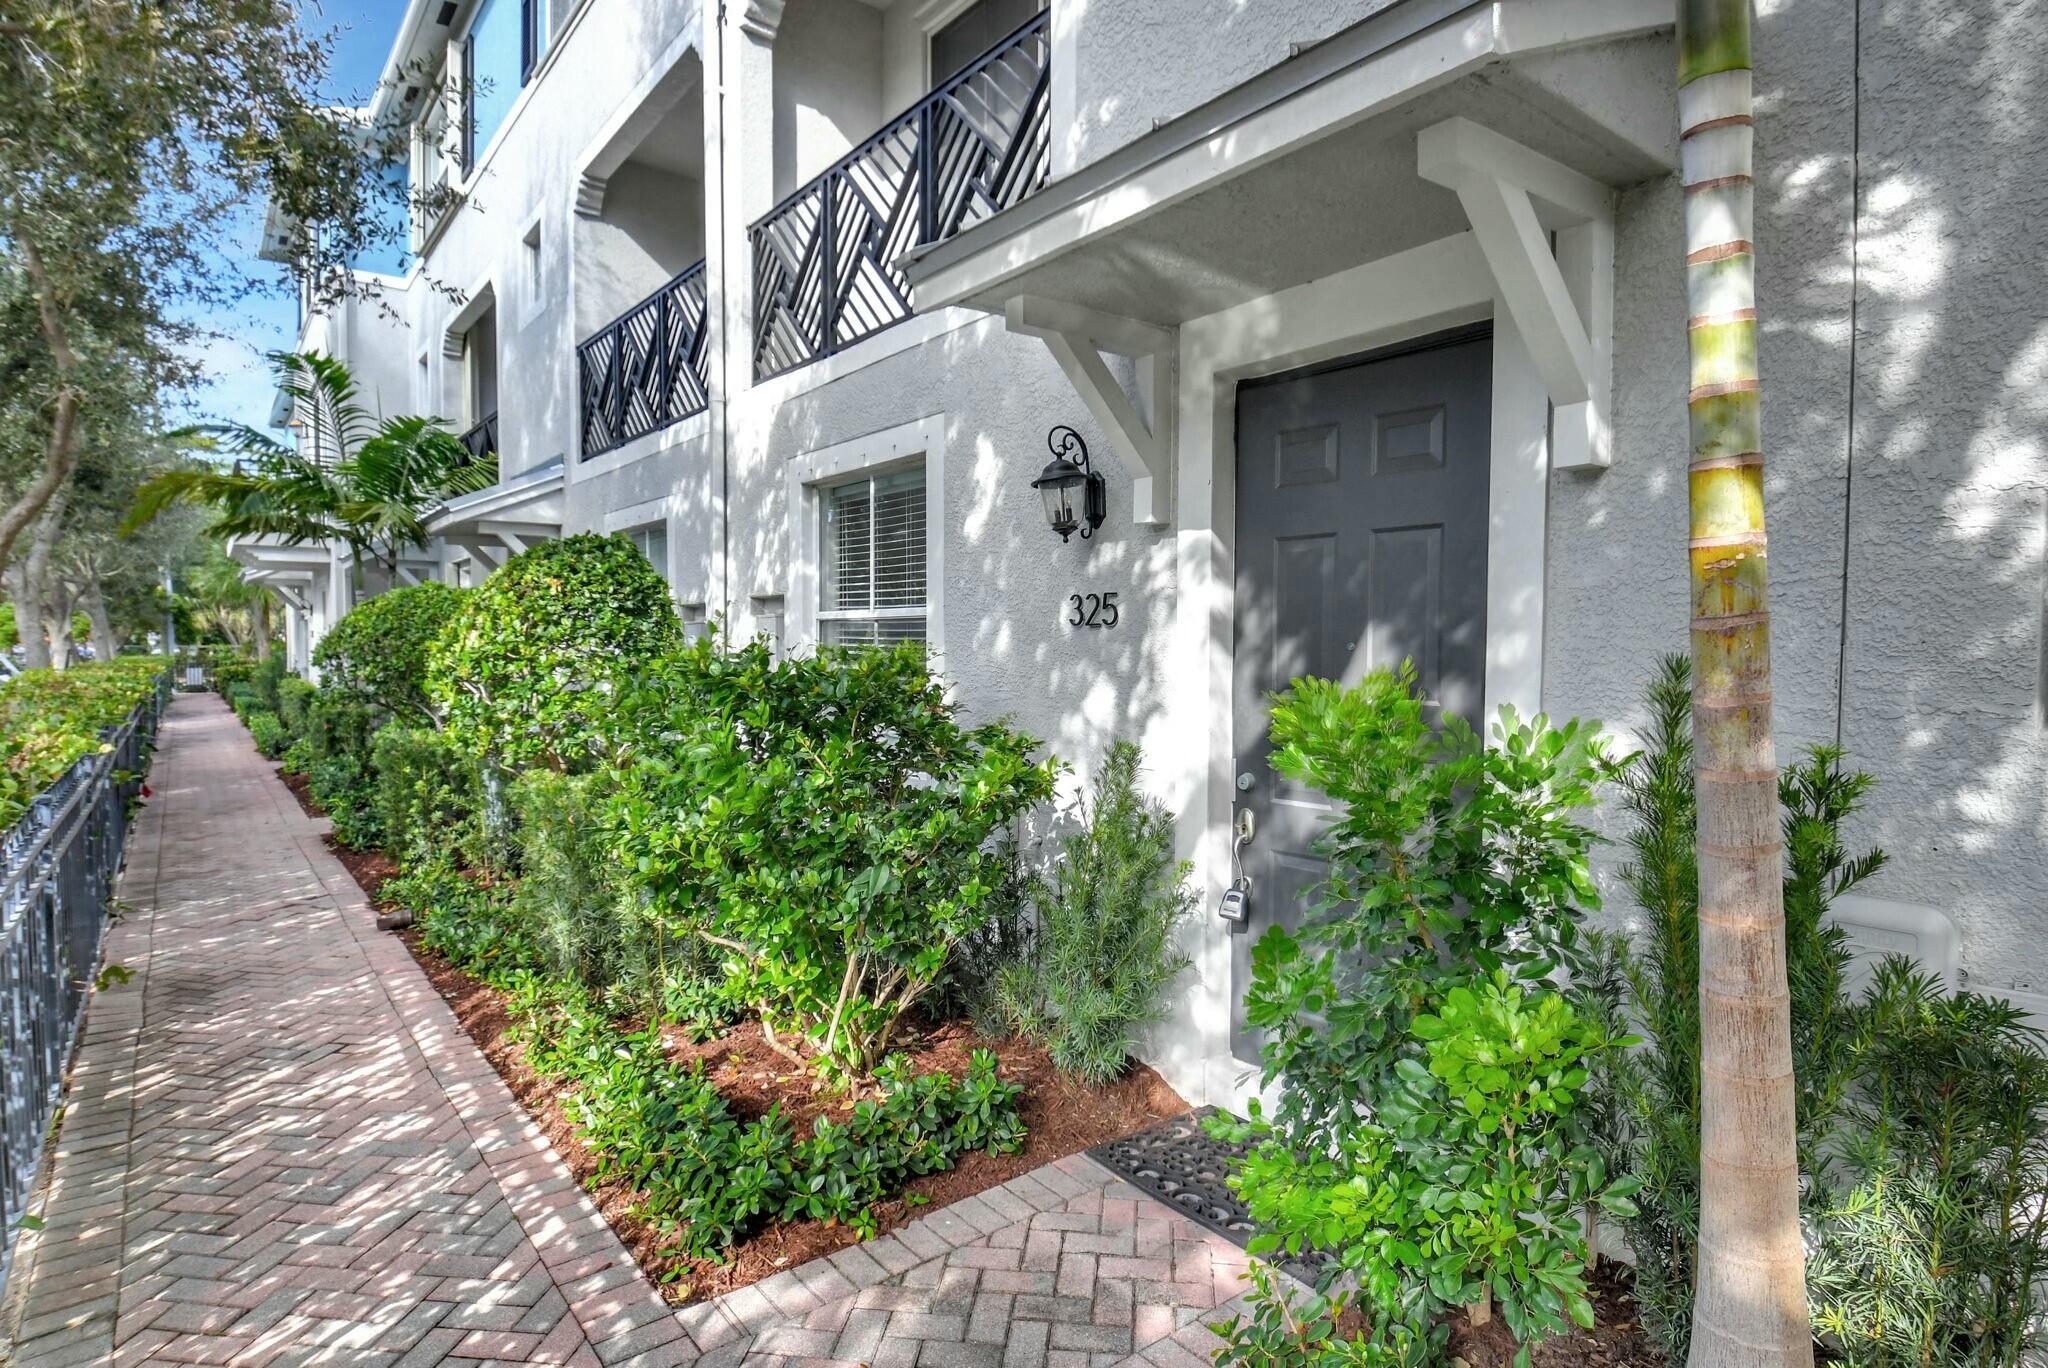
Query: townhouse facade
{"points": [[1138, 357]]}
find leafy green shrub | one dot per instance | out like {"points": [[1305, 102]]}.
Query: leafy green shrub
{"points": [[377, 654], [227, 672], [429, 796], [1105, 949], [300, 756], [1412, 1022], [474, 926], [594, 926], [838, 819], [338, 726], [295, 698], [244, 699], [49, 719], [1922, 1115], [267, 731], [638, 1112], [343, 788], [1932, 1252], [264, 677], [524, 672]]}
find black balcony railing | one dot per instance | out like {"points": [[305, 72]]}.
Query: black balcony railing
{"points": [[825, 272], [481, 441], [646, 369]]}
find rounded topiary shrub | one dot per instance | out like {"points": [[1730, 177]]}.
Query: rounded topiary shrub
{"points": [[524, 673], [377, 654]]}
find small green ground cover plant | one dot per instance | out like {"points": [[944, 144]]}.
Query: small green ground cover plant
{"points": [[50, 719], [1104, 951], [698, 1172], [1430, 1138]]}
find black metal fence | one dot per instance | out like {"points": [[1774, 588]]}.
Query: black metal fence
{"points": [[57, 870], [825, 258], [647, 368]]}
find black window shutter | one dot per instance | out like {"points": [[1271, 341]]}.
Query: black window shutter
{"points": [[529, 45]]}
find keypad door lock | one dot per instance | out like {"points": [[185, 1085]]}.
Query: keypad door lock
{"points": [[1236, 907]]}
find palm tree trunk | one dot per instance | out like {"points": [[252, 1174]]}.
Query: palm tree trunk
{"points": [[1750, 1299]]}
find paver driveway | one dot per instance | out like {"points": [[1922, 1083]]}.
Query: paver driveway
{"points": [[280, 1147]]}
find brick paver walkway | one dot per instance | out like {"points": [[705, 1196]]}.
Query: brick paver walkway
{"points": [[280, 1148]]}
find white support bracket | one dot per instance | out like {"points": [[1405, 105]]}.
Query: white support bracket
{"points": [[1142, 432], [1561, 298], [483, 552]]}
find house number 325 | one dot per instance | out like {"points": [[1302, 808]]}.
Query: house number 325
{"points": [[1091, 610]]}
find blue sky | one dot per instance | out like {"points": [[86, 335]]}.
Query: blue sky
{"points": [[238, 385]]}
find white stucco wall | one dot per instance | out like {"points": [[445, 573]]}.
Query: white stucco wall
{"points": [[1944, 522]]}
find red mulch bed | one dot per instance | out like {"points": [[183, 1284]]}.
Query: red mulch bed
{"points": [[1064, 1118], [1616, 1341]]}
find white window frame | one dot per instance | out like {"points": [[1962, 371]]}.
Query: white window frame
{"points": [[666, 567], [878, 453]]}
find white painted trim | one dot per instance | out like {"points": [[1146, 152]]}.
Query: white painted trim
{"points": [[1411, 294], [923, 439], [1504, 188], [482, 298], [1142, 432], [635, 116]]}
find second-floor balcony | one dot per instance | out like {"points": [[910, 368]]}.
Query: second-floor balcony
{"points": [[825, 259], [481, 441], [645, 369]]}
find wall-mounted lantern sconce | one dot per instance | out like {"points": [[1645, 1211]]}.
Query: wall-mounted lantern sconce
{"points": [[1065, 476]]}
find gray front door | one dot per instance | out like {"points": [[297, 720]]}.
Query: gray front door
{"points": [[1361, 542]]}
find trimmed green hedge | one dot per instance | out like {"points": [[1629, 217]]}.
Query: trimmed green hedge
{"points": [[377, 654], [525, 673], [49, 718]]}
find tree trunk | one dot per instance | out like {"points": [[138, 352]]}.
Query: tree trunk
{"points": [[57, 620], [105, 645], [1750, 1295], [33, 588], [263, 624], [60, 451]]}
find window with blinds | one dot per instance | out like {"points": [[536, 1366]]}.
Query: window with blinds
{"points": [[872, 563]]}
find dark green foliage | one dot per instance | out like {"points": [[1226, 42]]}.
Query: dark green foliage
{"points": [[244, 699], [295, 704], [267, 732], [525, 671], [1107, 920], [337, 726], [1655, 1120], [1933, 1254], [826, 821], [344, 789], [377, 654], [474, 926], [697, 1171], [429, 795], [709, 1179], [593, 926], [264, 678], [1429, 1135]]}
